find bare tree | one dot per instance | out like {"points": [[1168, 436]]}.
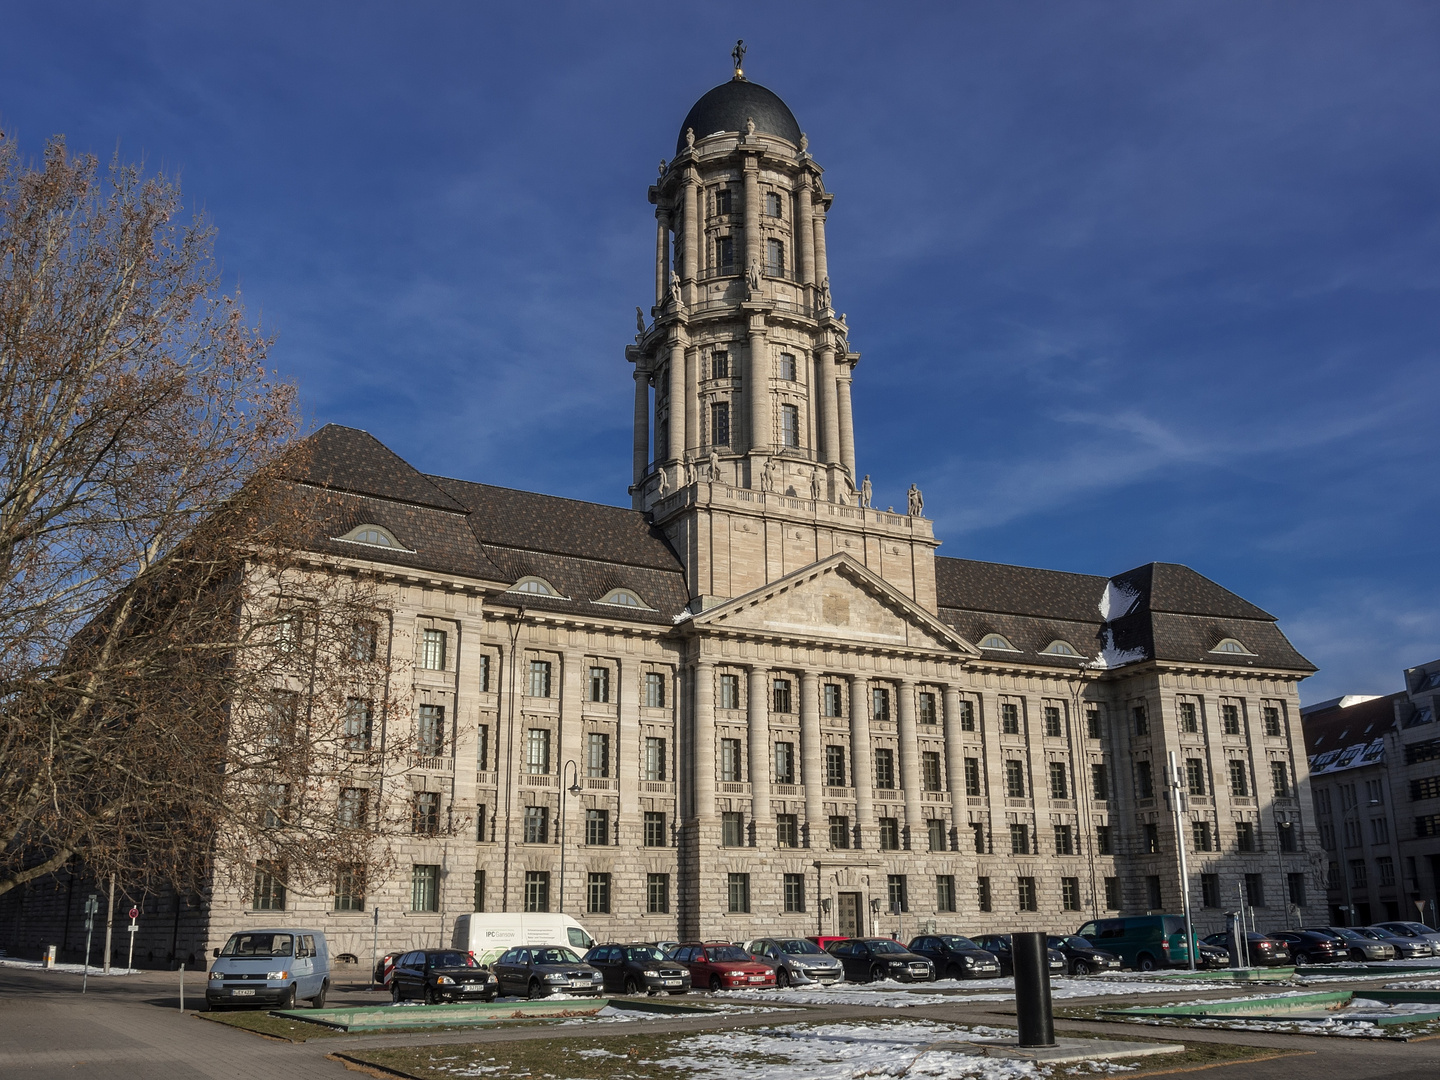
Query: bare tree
{"points": [[182, 691]]}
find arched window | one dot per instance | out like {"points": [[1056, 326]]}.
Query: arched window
{"points": [[374, 535], [1230, 645], [622, 598], [1060, 648], [536, 585], [997, 642]]}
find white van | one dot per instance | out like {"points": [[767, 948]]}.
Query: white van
{"points": [[270, 967], [487, 934]]}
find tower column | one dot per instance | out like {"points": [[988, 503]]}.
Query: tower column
{"points": [[692, 400], [752, 214], [955, 760], [805, 217], [825, 391], [662, 255], [758, 391], [909, 740], [861, 759], [642, 424], [846, 422], [704, 728], [822, 268], [678, 408], [758, 700], [690, 269], [812, 754]]}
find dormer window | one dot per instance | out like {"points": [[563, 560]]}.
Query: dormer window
{"points": [[1231, 646], [1060, 648], [772, 204], [372, 535], [997, 642], [536, 586], [623, 598]]}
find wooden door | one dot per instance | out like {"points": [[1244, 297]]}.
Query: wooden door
{"points": [[849, 922]]}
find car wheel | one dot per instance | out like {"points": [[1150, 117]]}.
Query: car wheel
{"points": [[1356, 954], [1080, 968], [877, 973], [287, 1001], [395, 995], [631, 986], [715, 983], [318, 1001], [432, 996], [536, 991], [782, 978], [954, 971], [1145, 962]]}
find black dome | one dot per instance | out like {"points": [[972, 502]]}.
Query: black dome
{"points": [[729, 105]]}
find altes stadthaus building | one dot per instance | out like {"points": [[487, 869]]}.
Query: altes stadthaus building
{"points": [[753, 704]]}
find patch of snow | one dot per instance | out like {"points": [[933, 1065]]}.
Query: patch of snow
{"points": [[1117, 601], [1111, 657], [894, 995], [68, 969], [1425, 984]]}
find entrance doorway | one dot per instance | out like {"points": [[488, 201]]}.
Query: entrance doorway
{"points": [[849, 922]]}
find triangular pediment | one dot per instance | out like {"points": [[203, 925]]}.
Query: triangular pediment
{"points": [[836, 600]]}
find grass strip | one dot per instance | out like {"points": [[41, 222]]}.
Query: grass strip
{"points": [[272, 1027]]}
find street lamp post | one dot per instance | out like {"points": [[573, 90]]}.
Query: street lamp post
{"points": [[573, 789], [1282, 829]]}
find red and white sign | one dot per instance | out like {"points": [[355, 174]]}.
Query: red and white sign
{"points": [[134, 913]]}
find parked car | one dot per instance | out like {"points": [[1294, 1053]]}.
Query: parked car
{"points": [[1357, 945], [666, 947], [797, 961], [956, 957], [436, 975], [1082, 957], [1412, 930], [271, 967], [720, 965], [632, 968], [487, 934], [1211, 958], [875, 959], [1308, 947], [1145, 942], [1405, 948], [1000, 946], [1265, 951], [535, 971], [826, 940]]}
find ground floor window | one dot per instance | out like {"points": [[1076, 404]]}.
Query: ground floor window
{"points": [[269, 887], [945, 892], [739, 894], [424, 887], [1070, 893], [657, 894], [350, 887], [1112, 894], [1025, 891], [597, 894], [794, 892], [537, 890]]}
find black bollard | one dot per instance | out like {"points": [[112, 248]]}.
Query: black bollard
{"points": [[1030, 956]]}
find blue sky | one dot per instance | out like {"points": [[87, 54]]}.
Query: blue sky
{"points": [[1131, 281]]}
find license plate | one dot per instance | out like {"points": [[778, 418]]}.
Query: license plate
{"points": [[669, 982], [472, 986], [242, 993], [757, 978]]}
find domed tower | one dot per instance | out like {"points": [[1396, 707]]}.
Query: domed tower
{"points": [[742, 374]]}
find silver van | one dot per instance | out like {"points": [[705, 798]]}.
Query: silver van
{"points": [[270, 967]]}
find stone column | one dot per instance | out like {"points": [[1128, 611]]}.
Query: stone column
{"points": [[692, 399], [812, 757], [758, 392], [909, 755], [704, 728], [678, 406], [861, 759], [822, 269], [641, 456], [691, 261], [759, 750], [804, 217], [753, 247], [662, 255], [955, 761], [846, 422], [825, 390], [629, 683]]}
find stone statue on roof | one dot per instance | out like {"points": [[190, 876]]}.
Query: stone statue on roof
{"points": [[866, 491], [662, 484], [753, 278], [714, 467], [915, 501], [674, 289]]}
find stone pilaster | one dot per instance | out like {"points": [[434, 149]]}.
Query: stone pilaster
{"points": [[909, 756], [641, 453], [677, 407], [955, 764], [862, 760], [758, 700], [812, 757], [846, 422], [704, 741]]}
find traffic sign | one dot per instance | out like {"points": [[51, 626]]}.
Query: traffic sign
{"points": [[134, 913]]}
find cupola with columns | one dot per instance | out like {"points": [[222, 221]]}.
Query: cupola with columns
{"points": [[743, 371]]}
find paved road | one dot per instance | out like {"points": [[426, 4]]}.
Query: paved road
{"points": [[131, 1027]]}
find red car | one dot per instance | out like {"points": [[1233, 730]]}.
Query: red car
{"points": [[719, 965], [826, 940]]}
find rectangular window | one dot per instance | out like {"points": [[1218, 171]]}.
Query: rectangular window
{"points": [[359, 723], [1019, 839], [1245, 836], [597, 894], [967, 715], [790, 426], [931, 778], [482, 746], [772, 204], [1009, 718], [1195, 775], [787, 367], [729, 691], [879, 703], [425, 818], [1112, 894], [1099, 783], [432, 650], [1239, 778], [834, 766], [540, 678], [484, 675], [1375, 792], [982, 893], [945, 892], [1059, 780], [1210, 890], [600, 684], [364, 639], [537, 890], [1200, 837], [1427, 787], [1255, 890], [431, 740], [353, 808], [597, 827], [424, 887], [732, 828], [898, 894], [1144, 781], [774, 257], [1141, 719], [1151, 833], [831, 702], [730, 764], [537, 751], [889, 833], [655, 758], [480, 834], [839, 831], [787, 830], [977, 830], [1152, 892], [725, 248], [282, 714], [1358, 878], [927, 711], [885, 768], [1104, 845], [479, 899], [1092, 723], [739, 894], [1288, 840], [537, 825], [780, 696], [1296, 886], [723, 203], [794, 893], [1230, 719], [784, 763], [1015, 779], [1280, 779], [1271, 716], [1070, 893], [597, 754], [655, 832], [1385, 867], [972, 777], [654, 690], [1025, 894], [1379, 831], [1189, 718], [1064, 840], [657, 894], [936, 833], [1052, 721], [269, 892]]}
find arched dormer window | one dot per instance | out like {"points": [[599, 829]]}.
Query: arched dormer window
{"points": [[373, 535], [997, 642], [536, 586], [1232, 647], [1060, 648], [623, 598]]}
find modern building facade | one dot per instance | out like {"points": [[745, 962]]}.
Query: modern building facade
{"points": [[752, 703]]}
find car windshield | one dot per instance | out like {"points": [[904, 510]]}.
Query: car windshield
{"points": [[726, 952], [449, 959], [645, 954], [1075, 942], [884, 946], [1373, 935], [800, 947], [555, 956], [1346, 932], [955, 941], [243, 945]]}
